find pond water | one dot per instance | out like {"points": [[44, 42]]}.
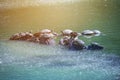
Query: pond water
{"points": [[29, 61]]}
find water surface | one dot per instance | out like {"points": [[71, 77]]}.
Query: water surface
{"points": [[21, 60]]}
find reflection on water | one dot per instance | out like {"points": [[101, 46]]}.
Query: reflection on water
{"points": [[21, 59]]}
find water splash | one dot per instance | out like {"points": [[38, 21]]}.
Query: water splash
{"points": [[53, 60]]}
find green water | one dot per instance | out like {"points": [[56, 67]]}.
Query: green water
{"points": [[29, 61]]}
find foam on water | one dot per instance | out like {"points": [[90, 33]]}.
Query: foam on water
{"points": [[18, 60]]}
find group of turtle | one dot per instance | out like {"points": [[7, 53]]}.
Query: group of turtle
{"points": [[68, 39]]}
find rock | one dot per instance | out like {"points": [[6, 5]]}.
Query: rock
{"points": [[78, 45], [46, 31], [66, 32], [87, 32], [95, 46], [96, 32]]}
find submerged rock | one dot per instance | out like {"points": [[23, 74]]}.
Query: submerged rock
{"points": [[96, 32], [87, 32], [95, 46], [91, 33]]}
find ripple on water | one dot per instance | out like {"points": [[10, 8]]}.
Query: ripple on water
{"points": [[56, 62]]}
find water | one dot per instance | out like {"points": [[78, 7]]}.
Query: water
{"points": [[21, 60], [29, 61]]}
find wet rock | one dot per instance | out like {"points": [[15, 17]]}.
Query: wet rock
{"points": [[95, 46]]}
